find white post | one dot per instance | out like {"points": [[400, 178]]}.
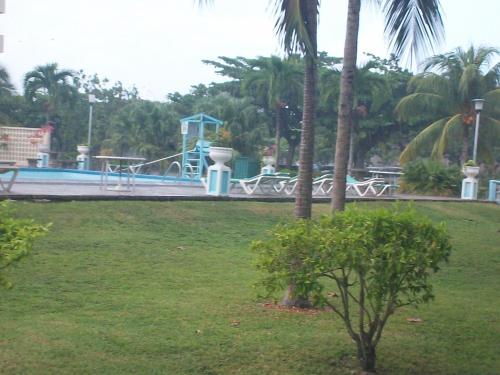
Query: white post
{"points": [[476, 135], [91, 102], [219, 175], [478, 106]]}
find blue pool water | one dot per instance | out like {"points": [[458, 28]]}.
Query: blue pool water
{"points": [[53, 174]]}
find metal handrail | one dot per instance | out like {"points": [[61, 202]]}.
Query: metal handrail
{"points": [[179, 169], [191, 168], [155, 161]]}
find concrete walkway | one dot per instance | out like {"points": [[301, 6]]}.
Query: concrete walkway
{"points": [[63, 191]]}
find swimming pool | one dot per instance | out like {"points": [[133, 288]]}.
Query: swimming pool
{"points": [[75, 175]]}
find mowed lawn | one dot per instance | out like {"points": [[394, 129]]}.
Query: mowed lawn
{"points": [[167, 288]]}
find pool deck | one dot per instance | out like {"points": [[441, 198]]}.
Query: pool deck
{"points": [[69, 191]]}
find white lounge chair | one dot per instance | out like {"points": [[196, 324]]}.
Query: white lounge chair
{"points": [[374, 186], [7, 166], [267, 183], [319, 185]]}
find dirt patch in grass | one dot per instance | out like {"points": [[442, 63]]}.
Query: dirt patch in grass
{"points": [[294, 310]]}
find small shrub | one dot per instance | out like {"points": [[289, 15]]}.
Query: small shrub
{"points": [[16, 240], [377, 261], [431, 177], [470, 163]]}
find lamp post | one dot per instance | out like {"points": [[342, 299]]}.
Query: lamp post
{"points": [[91, 102], [478, 106]]}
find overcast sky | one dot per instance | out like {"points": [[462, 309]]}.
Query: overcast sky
{"points": [[158, 45]]}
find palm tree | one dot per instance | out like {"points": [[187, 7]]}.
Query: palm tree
{"points": [[6, 87], [275, 80], [408, 23], [51, 84], [372, 91], [296, 24], [445, 91]]}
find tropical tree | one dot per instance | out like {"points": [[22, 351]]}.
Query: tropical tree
{"points": [[296, 24], [408, 23], [49, 83], [10, 105], [50, 86], [444, 91], [275, 81], [244, 123], [6, 87]]}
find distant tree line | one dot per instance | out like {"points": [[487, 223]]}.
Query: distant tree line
{"points": [[261, 105]]}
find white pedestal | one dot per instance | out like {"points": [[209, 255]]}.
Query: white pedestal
{"points": [[43, 160], [219, 175], [469, 188], [469, 184], [82, 162]]}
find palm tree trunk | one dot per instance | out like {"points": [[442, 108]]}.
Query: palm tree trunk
{"points": [[290, 155], [347, 88], [278, 135], [352, 134], [303, 200]]}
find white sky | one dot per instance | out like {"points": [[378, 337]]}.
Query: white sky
{"points": [[158, 45]]}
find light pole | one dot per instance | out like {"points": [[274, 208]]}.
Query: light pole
{"points": [[91, 102], [478, 106]]}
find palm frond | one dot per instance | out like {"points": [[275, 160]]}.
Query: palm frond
{"points": [[413, 24], [418, 103], [424, 138], [492, 77], [492, 102], [292, 25], [470, 83], [441, 144]]}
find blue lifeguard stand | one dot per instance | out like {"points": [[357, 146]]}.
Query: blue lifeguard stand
{"points": [[194, 161]]}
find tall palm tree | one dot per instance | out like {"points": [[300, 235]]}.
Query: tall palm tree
{"points": [[408, 23], [49, 83], [373, 88], [297, 23], [274, 79], [6, 87], [445, 91]]}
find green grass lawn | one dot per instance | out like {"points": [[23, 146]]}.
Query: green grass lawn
{"points": [[167, 288]]}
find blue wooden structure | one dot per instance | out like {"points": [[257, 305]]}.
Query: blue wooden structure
{"points": [[493, 190], [194, 162]]}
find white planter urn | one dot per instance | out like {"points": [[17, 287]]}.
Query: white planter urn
{"points": [[82, 160], [220, 155], [219, 175], [469, 184], [268, 162], [82, 149], [470, 172]]}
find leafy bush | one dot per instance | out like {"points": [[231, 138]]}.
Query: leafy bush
{"points": [[431, 177], [375, 261], [16, 239]]}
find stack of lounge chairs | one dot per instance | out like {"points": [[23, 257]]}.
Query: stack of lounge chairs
{"points": [[280, 183]]}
